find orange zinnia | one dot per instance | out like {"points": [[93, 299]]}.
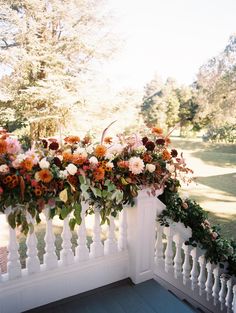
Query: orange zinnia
{"points": [[78, 159], [157, 131], [3, 146], [166, 155], [100, 151], [27, 164], [99, 173], [67, 156], [72, 139], [45, 175], [108, 140]]}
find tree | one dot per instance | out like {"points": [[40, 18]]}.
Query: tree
{"points": [[51, 49], [216, 88]]}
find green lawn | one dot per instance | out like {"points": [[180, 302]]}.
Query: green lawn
{"points": [[214, 168]]}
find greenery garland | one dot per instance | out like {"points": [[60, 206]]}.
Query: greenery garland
{"points": [[204, 235]]}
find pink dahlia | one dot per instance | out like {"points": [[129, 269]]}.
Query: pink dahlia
{"points": [[13, 145]]}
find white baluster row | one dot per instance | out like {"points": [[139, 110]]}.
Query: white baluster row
{"points": [[67, 257], [189, 265]]}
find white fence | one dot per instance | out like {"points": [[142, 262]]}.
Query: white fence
{"points": [[134, 246]]}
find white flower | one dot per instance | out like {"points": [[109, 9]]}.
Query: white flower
{"points": [[136, 165], [140, 149], [63, 174], [150, 167], [93, 160], [170, 167], [89, 149], [81, 151], [44, 164], [4, 168], [109, 156], [20, 157], [116, 149], [71, 169], [110, 164]]}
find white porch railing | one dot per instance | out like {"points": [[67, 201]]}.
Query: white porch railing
{"points": [[135, 246]]}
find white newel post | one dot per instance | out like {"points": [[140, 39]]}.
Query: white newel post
{"points": [[141, 235]]}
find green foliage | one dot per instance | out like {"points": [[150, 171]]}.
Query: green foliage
{"points": [[225, 133], [204, 235]]}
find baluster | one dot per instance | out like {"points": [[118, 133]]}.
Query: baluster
{"points": [[186, 265], [178, 258], [169, 249], [222, 293], [202, 275], [209, 281], [229, 296], [122, 241], [50, 257], [159, 256], [32, 261], [96, 248], [110, 244], [67, 255], [82, 251], [194, 272], [216, 285], [234, 299], [13, 264]]}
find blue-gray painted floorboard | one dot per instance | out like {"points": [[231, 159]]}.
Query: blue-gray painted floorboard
{"points": [[147, 297]]}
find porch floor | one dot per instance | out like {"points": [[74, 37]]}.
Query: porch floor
{"points": [[147, 297]]}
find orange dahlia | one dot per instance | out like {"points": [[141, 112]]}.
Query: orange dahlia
{"points": [[157, 131], [72, 139], [166, 155], [45, 175], [67, 156], [99, 173], [100, 151], [108, 140], [27, 164], [78, 159], [3, 146]]}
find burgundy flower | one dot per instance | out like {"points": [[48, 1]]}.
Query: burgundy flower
{"points": [[57, 162], [150, 145], [53, 145], [160, 142], [174, 153], [145, 140], [45, 143]]}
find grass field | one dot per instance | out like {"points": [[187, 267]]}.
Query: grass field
{"points": [[214, 185]]}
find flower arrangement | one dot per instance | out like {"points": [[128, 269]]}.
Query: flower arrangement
{"points": [[106, 174]]}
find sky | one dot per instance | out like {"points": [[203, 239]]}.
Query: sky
{"points": [[171, 38]]}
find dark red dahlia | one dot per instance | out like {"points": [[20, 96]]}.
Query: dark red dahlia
{"points": [[53, 145], [57, 162], [45, 143], [160, 142], [145, 140], [174, 153], [150, 145]]}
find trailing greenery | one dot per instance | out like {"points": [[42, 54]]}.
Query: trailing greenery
{"points": [[204, 235]]}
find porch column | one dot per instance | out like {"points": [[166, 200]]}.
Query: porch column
{"points": [[141, 235]]}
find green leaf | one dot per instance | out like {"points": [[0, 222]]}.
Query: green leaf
{"points": [[104, 193], [77, 213], [72, 223], [82, 180], [12, 220], [64, 212], [111, 187]]}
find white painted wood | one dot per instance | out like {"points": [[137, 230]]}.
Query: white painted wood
{"points": [[209, 281], [186, 265], [229, 296], [32, 260], [178, 258], [234, 299], [96, 248], [82, 251], [110, 244], [67, 255], [202, 274], [13, 264], [50, 257], [159, 254], [169, 249], [122, 240], [216, 285], [222, 293], [194, 271], [141, 236]]}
